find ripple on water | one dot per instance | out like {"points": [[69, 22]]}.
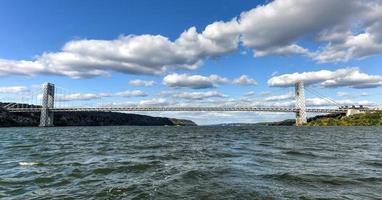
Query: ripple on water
{"points": [[191, 163], [30, 163], [300, 153], [133, 191], [374, 163], [313, 179], [128, 168]]}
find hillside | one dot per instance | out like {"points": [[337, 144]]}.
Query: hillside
{"points": [[363, 119], [89, 119]]}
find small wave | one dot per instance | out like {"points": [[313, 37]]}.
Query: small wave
{"points": [[195, 174], [134, 191], [132, 167], [284, 176], [374, 163], [145, 166], [311, 178], [299, 153], [28, 163], [370, 179], [103, 170]]}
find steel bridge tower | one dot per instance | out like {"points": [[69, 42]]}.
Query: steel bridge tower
{"points": [[47, 116], [300, 104]]}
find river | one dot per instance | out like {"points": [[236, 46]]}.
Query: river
{"points": [[203, 162]]}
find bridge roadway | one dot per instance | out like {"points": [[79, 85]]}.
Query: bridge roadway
{"points": [[172, 109]]}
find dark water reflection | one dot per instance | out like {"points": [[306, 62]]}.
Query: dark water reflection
{"points": [[191, 163]]}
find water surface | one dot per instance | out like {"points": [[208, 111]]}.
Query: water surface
{"points": [[191, 163]]}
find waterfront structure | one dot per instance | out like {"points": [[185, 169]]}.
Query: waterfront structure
{"points": [[48, 109]]}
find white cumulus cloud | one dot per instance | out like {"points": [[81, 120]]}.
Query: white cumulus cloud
{"points": [[245, 80], [346, 77], [193, 81], [132, 93], [13, 89], [139, 82], [93, 96], [198, 95], [131, 54], [283, 97], [343, 94], [348, 29]]}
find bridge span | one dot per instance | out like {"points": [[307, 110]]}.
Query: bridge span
{"points": [[180, 109], [47, 108]]}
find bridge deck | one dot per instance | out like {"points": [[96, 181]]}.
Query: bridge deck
{"points": [[172, 109]]}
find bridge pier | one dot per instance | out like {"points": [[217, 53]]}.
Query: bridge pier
{"points": [[47, 116], [300, 104]]}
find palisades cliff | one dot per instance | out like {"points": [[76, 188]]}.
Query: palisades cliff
{"points": [[8, 119]]}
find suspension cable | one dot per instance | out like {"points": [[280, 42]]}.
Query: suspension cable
{"points": [[314, 92]]}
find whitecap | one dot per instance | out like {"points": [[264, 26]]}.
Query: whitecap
{"points": [[27, 163]]}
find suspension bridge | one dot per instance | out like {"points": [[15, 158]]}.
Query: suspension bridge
{"points": [[47, 107]]}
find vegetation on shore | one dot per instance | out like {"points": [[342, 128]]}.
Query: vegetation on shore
{"points": [[362, 119]]}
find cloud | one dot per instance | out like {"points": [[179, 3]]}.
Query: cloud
{"points": [[138, 82], [154, 102], [193, 81], [13, 89], [265, 94], [77, 97], [142, 103], [199, 95], [133, 93], [93, 96], [358, 46], [245, 80], [343, 94], [191, 95], [283, 51], [346, 44], [131, 54], [347, 30], [283, 97], [249, 94], [347, 77], [319, 102], [274, 73], [268, 28]]}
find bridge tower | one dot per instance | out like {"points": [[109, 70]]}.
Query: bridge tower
{"points": [[47, 115], [300, 104]]}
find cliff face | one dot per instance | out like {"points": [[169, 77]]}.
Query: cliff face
{"points": [[21, 119], [89, 119]]}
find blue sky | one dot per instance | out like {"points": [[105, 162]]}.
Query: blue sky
{"points": [[141, 53]]}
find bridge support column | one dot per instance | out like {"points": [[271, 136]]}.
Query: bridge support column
{"points": [[300, 104], [47, 115]]}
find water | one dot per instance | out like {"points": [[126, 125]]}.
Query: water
{"points": [[191, 163]]}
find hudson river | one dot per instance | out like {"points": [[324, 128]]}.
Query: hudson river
{"points": [[191, 163]]}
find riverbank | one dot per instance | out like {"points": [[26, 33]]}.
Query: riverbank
{"points": [[8, 119], [362, 119]]}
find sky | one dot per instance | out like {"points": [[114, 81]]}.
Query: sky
{"points": [[188, 53]]}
